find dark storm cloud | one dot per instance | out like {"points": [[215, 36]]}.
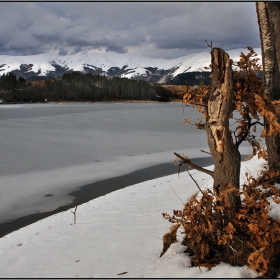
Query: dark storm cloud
{"points": [[156, 29], [226, 24]]}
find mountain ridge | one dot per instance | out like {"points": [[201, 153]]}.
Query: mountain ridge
{"points": [[135, 66]]}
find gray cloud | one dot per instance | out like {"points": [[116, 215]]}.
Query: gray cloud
{"points": [[24, 25], [156, 29]]}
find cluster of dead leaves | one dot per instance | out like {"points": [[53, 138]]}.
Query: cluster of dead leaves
{"points": [[249, 101], [197, 98], [215, 233]]}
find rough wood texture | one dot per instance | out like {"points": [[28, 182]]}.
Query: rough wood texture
{"points": [[225, 154], [269, 26]]}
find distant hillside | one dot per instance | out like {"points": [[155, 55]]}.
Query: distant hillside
{"points": [[132, 66], [193, 78]]}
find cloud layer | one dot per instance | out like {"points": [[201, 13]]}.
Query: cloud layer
{"points": [[155, 29]]}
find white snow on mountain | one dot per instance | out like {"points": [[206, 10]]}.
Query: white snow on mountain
{"points": [[131, 64]]}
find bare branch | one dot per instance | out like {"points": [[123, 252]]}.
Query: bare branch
{"points": [[177, 195], [198, 125], [206, 152], [210, 46], [195, 182], [74, 213], [258, 42], [245, 135], [198, 104], [257, 122], [184, 159]]}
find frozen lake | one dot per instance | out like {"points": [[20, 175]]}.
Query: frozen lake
{"points": [[49, 150]]}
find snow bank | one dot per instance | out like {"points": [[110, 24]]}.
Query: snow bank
{"points": [[119, 233]]}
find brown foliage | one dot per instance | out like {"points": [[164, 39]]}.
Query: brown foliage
{"points": [[170, 237], [213, 233], [214, 230], [249, 101]]}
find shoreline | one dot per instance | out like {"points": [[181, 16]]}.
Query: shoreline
{"points": [[94, 102], [96, 189]]}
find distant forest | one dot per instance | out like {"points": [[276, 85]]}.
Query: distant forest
{"points": [[77, 86]]}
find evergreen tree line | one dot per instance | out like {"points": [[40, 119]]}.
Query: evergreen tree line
{"points": [[77, 86], [10, 82]]}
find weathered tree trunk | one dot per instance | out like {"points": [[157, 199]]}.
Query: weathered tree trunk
{"points": [[269, 26], [224, 151], [225, 154]]}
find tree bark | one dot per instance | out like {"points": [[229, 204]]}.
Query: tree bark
{"points": [[225, 154], [269, 25]]}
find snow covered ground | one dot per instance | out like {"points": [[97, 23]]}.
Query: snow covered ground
{"points": [[115, 236]]}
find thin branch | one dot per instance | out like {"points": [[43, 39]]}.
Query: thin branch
{"points": [[257, 122], [74, 213], [198, 104], [234, 251], [179, 168], [177, 195], [248, 118], [190, 164], [195, 182], [199, 124], [210, 46], [206, 152], [154, 236], [258, 42], [245, 135]]}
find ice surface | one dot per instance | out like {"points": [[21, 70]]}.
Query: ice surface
{"points": [[55, 148]]}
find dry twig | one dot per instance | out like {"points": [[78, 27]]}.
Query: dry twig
{"points": [[195, 182], [184, 159], [74, 213]]}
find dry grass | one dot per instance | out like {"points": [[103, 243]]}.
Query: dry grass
{"points": [[179, 90]]}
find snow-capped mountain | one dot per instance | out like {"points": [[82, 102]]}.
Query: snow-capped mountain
{"points": [[109, 64]]}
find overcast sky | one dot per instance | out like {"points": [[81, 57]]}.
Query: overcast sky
{"points": [[155, 29]]}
